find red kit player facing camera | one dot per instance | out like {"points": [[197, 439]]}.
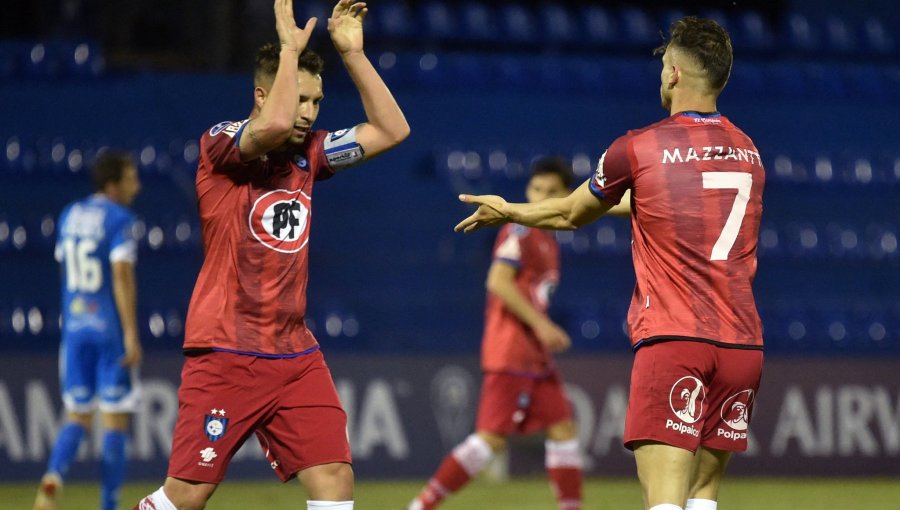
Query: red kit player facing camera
{"points": [[522, 391], [252, 366], [697, 183]]}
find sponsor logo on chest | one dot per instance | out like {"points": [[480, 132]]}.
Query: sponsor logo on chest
{"points": [[279, 220]]}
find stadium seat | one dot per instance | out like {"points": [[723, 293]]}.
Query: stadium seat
{"points": [[478, 23], [600, 26], [518, 24], [753, 32], [438, 21], [558, 26], [876, 37], [842, 37], [395, 21], [800, 35], [639, 29]]}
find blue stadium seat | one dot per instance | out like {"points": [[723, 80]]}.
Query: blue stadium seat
{"points": [[438, 21], [826, 81], [518, 24], [876, 38], [753, 32], [841, 35], [600, 26], [478, 22], [800, 34], [558, 25], [395, 21], [639, 28]]}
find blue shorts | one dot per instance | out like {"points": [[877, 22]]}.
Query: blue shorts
{"points": [[90, 369]]}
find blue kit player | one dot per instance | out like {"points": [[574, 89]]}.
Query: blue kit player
{"points": [[100, 349]]}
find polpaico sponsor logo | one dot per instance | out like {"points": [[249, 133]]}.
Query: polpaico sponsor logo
{"points": [[681, 428], [730, 434]]}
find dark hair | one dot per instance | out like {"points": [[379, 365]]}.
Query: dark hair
{"points": [[268, 56], [707, 43], [554, 165], [109, 167]]}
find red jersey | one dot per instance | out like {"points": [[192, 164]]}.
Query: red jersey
{"points": [[508, 344], [697, 185], [250, 296]]}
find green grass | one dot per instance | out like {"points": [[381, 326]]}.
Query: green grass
{"points": [[520, 494]]}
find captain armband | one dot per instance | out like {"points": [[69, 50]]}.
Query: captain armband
{"points": [[342, 150]]}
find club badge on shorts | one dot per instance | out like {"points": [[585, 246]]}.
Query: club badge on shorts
{"points": [[215, 424]]}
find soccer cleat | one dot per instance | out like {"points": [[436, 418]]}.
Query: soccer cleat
{"points": [[51, 485]]}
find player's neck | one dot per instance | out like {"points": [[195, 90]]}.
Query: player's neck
{"points": [[693, 103]]}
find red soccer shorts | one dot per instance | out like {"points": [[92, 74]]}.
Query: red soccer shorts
{"points": [[290, 403], [515, 404], [688, 394]]}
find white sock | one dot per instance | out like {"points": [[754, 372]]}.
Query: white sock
{"points": [[332, 505], [156, 501], [701, 504], [666, 506], [473, 454]]}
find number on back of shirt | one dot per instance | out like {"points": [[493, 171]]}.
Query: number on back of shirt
{"points": [[83, 270], [742, 182]]}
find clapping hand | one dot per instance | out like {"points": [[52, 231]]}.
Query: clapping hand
{"points": [[345, 26]]}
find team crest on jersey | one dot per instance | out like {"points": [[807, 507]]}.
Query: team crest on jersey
{"points": [[686, 399], [215, 424], [735, 411], [280, 220], [599, 177]]}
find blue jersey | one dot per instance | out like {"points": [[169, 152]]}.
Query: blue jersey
{"points": [[93, 233]]}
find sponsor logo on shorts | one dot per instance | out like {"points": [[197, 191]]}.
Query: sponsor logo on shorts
{"points": [[681, 428], [686, 399], [215, 424], [735, 413], [207, 454]]}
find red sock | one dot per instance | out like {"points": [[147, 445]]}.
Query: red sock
{"points": [[566, 483], [449, 478]]}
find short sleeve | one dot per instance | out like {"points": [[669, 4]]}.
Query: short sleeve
{"points": [[221, 146], [122, 244], [614, 173], [508, 246]]}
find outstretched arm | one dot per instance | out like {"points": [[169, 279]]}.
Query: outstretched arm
{"points": [[273, 126], [385, 126], [579, 208]]}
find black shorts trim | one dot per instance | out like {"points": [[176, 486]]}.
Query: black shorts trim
{"points": [[659, 339]]}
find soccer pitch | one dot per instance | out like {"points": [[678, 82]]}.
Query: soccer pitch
{"points": [[519, 494]]}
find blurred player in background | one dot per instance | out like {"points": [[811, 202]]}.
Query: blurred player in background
{"points": [[697, 183], [252, 366], [100, 350], [522, 391]]}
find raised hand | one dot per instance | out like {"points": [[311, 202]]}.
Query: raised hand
{"points": [[489, 212], [345, 26], [289, 34]]}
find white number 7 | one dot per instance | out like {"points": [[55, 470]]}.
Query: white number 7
{"points": [[742, 182]]}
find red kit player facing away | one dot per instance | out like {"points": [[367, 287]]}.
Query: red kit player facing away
{"points": [[522, 391], [252, 366], [697, 183]]}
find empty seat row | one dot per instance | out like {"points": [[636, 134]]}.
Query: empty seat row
{"points": [[589, 26], [489, 168], [24, 322], [63, 156], [38, 234], [51, 60]]}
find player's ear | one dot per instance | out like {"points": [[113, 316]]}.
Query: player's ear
{"points": [[675, 76], [259, 96]]}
